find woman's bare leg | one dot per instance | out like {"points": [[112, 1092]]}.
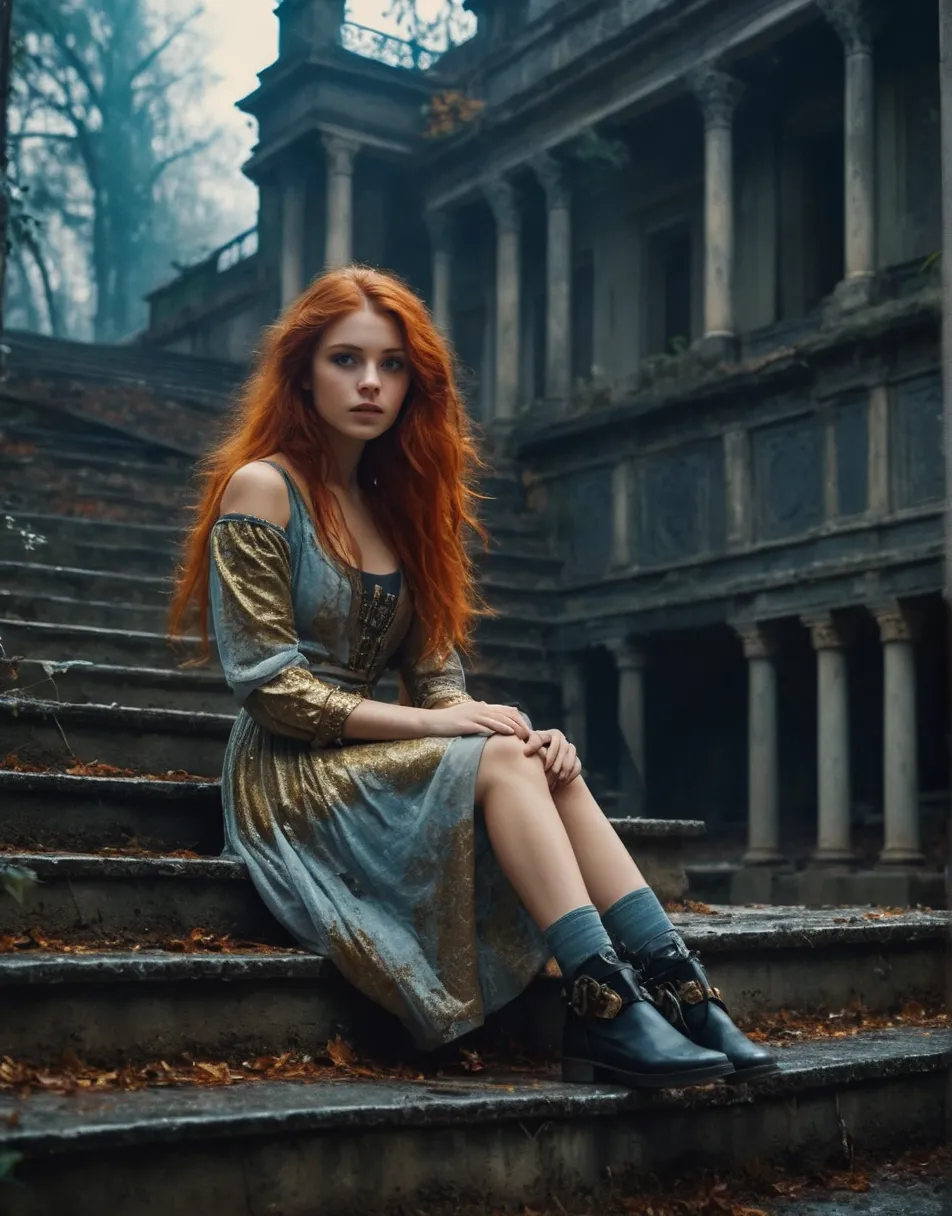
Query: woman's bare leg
{"points": [[526, 831], [606, 865]]}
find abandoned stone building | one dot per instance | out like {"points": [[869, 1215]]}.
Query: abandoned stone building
{"points": [[686, 254]]}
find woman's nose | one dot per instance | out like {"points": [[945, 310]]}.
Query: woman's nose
{"points": [[370, 377]]}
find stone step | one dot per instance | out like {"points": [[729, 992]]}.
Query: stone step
{"points": [[77, 529], [147, 740], [40, 578], [52, 492], [517, 656], [59, 811], [17, 545], [136, 465], [53, 640], [348, 1146], [166, 1002], [82, 682], [83, 813], [21, 605]]}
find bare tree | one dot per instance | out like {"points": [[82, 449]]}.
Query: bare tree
{"points": [[449, 24], [95, 129], [6, 20]]}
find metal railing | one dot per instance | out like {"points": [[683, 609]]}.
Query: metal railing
{"points": [[386, 48], [243, 246]]}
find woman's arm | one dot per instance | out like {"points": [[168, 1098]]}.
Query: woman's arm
{"points": [[256, 634]]}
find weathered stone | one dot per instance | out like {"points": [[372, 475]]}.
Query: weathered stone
{"points": [[144, 1151]]}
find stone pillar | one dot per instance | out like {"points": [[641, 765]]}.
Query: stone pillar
{"points": [[630, 662], [441, 249], [763, 812], [339, 238], [573, 703], [900, 760], [293, 201], [834, 799], [505, 208], [718, 94], [558, 327], [850, 19]]}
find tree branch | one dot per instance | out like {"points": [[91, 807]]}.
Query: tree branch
{"points": [[166, 42]]}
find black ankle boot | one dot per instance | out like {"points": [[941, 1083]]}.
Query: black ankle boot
{"points": [[678, 986], [614, 1033]]}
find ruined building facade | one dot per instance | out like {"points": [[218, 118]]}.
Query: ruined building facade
{"points": [[686, 251]]}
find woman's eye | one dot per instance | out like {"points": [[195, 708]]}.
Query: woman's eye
{"points": [[394, 365], [340, 359]]}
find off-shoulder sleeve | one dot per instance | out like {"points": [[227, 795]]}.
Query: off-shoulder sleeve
{"points": [[257, 639], [433, 683]]}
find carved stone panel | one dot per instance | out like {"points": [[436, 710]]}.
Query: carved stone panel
{"points": [[682, 509], [588, 526], [916, 442], [788, 471], [852, 457]]}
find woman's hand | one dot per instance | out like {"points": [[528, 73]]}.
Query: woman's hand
{"points": [[562, 765], [474, 718]]}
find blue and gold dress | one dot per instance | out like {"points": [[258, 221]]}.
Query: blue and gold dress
{"points": [[369, 853]]}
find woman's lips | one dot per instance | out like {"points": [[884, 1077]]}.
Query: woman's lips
{"points": [[366, 409]]}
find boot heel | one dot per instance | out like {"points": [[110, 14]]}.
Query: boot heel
{"points": [[579, 1071]]}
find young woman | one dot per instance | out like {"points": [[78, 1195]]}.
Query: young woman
{"points": [[438, 850]]}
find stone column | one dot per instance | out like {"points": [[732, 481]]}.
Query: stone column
{"points": [[718, 94], [505, 208], [850, 19], [573, 703], [630, 662], [292, 241], [833, 742], [558, 327], [339, 238], [763, 812], [900, 742], [440, 226]]}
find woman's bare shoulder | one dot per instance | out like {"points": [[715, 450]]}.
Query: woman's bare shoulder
{"points": [[257, 489]]}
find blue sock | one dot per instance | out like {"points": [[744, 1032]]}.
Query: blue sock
{"points": [[575, 937], [638, 919]]}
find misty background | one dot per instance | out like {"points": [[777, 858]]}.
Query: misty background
{"points": [[126, 145]]}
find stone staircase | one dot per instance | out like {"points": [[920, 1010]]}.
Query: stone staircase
{"points": [[116, 957]]}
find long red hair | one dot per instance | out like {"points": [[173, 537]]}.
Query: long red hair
{"points": [[418, 477]]}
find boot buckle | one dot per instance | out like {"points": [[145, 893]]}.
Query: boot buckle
{"points": [[592, 999]]}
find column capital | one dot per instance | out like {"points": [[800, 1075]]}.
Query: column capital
{"points": [[718, 92], [825, 632], [551, 175], [503, 202], [896, 623], [341, 152], [757, 640], [853, 22], [629, 655], [439, 222]]}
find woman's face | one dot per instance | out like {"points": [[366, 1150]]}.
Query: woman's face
{"points": [[360, 375]]}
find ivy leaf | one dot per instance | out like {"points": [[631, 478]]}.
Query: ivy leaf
{"points": [[8, 1163], [17, 880]]}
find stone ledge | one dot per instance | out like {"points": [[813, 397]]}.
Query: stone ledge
{"points": [[50, 1124], [67, 866], [84, 788], [635, 828], [117, 717], [156, 966], [748, 931], [14, 569]]}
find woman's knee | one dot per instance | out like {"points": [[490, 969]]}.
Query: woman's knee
{"points": [[503, 760]]}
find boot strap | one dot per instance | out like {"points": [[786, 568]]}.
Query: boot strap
{"points": [[670, 995], [589, 998]]}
